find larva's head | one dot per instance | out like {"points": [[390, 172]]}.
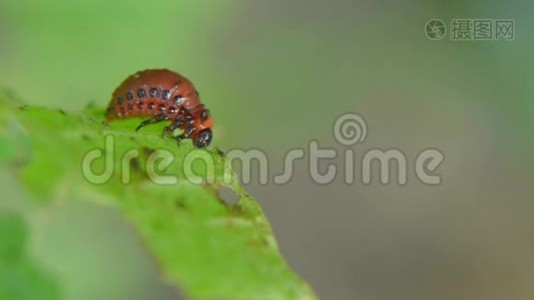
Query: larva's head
{"points": [[203, 134], [203, 138]]}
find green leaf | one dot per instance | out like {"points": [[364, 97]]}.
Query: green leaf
{"points": [[20, 277], [211, 249], [13, 233]]}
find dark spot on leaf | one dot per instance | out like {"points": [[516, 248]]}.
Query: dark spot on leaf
{"points": [[227, 195], [135, 164], [148, 151], [220, 152]]}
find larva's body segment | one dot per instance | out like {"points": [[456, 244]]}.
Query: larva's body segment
{"points": [[147, 87], [163, 95]]}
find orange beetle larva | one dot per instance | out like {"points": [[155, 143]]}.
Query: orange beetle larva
{"points": [[163, 95]]}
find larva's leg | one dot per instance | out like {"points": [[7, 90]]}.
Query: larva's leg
{"points": [[185, 118], [186, 115], [178, 122], [155, 119], [187, 133]]}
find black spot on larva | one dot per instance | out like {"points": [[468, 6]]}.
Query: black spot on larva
{"points": [[166, 94], [182, 110], [153, 92], [161, 107], [172, 109], [130, 95], [150, 106], [141, 93], [120, 100], [140, 105], [178, 100], [204, 115]]}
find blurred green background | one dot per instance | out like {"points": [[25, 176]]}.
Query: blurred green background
{"points": [[275, 75]]}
